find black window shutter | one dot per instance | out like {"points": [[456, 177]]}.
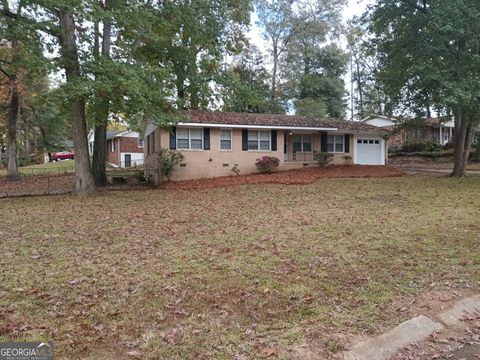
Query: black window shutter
{"points": [[323, 142], [274, 140], [347, 143], [244, 139], [173, 138], [206, 138]]}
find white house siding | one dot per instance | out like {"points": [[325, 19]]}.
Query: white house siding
{"points": [[136, 159]]}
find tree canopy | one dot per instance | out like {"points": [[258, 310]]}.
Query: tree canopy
{"points": [[428, 54]]}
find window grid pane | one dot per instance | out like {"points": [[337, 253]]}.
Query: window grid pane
{"points": [[330, 143], [265, 135], [188, 138], [196, 133], [182, 143], [225, 144], [225, 134], [182, 133], [196, 144], [253, 140], [297, 142], [339, 143], [252, 145], [264, 145], [307, 142]]}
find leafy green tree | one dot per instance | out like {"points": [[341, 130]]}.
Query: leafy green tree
{"points": [[21, 61], [429, 55], [297, 30], [321, 90], [192, 37], [246, 85], [278, 24], [367, 95]]}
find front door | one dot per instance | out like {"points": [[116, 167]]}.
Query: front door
{"points": [[128, 160]]}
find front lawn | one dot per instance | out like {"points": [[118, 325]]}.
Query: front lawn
{"points": [[47, 168], [231, 273]]}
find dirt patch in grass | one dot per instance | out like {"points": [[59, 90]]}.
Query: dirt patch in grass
{"points": [[246, 272], [289, 177], [37, 185]]}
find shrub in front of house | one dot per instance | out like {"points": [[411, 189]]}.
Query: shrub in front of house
{"points": [[323, 158], [167, 160], [266, 164], [347, 159], [420, 146]]}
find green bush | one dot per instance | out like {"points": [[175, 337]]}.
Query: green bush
{"points": [[25, 161], [266, 164], [420, 146], [323, 158], [347, 159], [167, 160], [423, 154], [476, 149]]}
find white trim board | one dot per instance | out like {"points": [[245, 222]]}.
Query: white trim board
{"points": [[151, 128], [266, 127]]}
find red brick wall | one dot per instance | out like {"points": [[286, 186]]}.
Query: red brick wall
{"points": [[123, 144], [113, 157], [130, 145]]}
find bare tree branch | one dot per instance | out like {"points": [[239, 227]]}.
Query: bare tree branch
{"points": [[5, 73]]}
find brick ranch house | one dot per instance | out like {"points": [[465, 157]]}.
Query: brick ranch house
{"points": [[217, 143], [124, 148], [435, 129]]}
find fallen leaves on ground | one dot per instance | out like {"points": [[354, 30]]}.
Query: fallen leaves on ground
{"points": [[182, 274], [288, 177]]}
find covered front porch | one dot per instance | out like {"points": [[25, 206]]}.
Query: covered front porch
{"points": [[301, 146]]}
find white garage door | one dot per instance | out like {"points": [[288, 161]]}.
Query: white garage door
{"points": [[369, 151]]}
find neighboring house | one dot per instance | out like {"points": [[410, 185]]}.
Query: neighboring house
{"points": [[218, 143], [436, 129], [124, 148]]}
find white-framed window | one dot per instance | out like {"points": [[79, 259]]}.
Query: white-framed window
{"points": [[259, 140], [336, 143], [90, 146], [225, 139], [302, 142], [189, 138], [141, 143], [113, 145]]}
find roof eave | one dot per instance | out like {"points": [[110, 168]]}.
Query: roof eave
{"points": [[267, 127]]}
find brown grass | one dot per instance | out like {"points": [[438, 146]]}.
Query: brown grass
{"points": [[254, 271]]}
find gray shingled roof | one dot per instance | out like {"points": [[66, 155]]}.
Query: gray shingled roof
{"points": [[245, 119], [112, 133]]}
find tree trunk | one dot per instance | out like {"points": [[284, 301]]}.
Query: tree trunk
{"points": [[359, 87], [102, 110], [12, 120], [99, 158], [69, 52], [180, 86], [464, 134], [274, 72]]}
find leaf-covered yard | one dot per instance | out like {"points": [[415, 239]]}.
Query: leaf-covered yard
{"points": [[239, 272]]}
